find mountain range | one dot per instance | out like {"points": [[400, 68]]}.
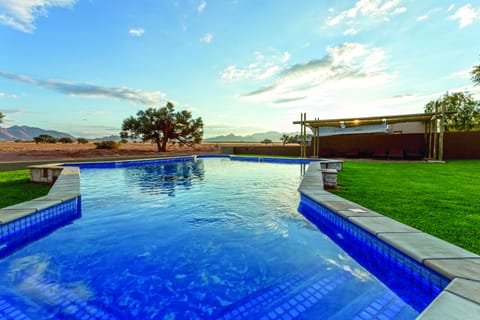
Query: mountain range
{"points": [[28, 133], [275, 136]]}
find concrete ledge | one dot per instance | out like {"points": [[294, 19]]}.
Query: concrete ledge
{"points": [[66, 187], [460, 299]]}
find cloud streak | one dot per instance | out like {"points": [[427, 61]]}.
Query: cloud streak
{"points": [[366, 12], [202, 6], [150, 98], [347, 67], [21, 15], [206, 38], [136, 32], [263, 68]]}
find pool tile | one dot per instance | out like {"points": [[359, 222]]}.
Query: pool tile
{"points": [[422, 246], [450, 306], [457, 268]]}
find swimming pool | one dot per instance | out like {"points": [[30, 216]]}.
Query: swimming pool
{"points": [[198, 239]]}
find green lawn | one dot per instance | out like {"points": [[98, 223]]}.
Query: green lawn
{"points": [[440, 199], [15, 188]]}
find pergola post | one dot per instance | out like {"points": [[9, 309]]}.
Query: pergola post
{"points": [[442, 131], [435, 134]]}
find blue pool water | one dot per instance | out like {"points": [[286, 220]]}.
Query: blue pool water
{"points": [[205, 239]]}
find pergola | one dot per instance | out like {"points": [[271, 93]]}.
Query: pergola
{"points": [[434, 128]]}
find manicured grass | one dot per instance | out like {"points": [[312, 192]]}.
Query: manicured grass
{"points": [[440, 199], [15, 187]]}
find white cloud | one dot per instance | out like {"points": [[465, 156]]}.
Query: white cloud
{"points": [[262, 68], [6, 95], [136, 32], [450, 8], [366, 12], [21, 14], [462, 74], [350, 32], [422, 18], [150, 98], [350, 67], [202, 6], [466, 15], [206, 38]]}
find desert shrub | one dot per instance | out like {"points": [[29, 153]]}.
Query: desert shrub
{"points": [[45, 138], [82, 140], [65, 140], [107, 145], [124, 141]]}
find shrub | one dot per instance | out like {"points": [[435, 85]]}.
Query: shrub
{"points": [[107, 145], [65, 140], [45, 138], [82, 140]]}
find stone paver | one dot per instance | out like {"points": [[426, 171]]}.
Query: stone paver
{"points": [[35, 204], [9, 215], [452, 307], [381, 224], [422, 246], [465, 288], [460, 268]]}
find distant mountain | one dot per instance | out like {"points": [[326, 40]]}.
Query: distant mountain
{"points": [[256, 137], [108, 138], [28, 133]]}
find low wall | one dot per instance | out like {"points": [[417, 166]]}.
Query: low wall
{"points": [[457, 145]]}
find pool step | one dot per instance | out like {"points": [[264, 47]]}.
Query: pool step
{"points": [[287, 299], [61, 302]]}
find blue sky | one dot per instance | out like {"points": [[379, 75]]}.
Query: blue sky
{"points": [[244, 66]]}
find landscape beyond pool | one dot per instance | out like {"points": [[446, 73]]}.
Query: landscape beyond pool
{"points": [[199, 239]]}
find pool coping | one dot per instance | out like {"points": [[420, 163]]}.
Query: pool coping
{"points": [[459, 300]]}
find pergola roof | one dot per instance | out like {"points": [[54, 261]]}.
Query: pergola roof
{"points": [[355, 122]]}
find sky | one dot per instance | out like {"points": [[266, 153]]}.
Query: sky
{"points": [[244, 66]]}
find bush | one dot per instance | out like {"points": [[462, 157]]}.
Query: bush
{"points": [[45, 138], [107, 145], [65, 140], [82, 140], [124, 141]]}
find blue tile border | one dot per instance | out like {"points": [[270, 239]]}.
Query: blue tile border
{"points": [[385, 262], [17, 233]]}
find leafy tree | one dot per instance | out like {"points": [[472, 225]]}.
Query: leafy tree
{"points": [[267, 141], [65, 140], [164, 125], [82, 140], [45, 138], [1, 117], [285, 139], [476, 75], [467, 116]]}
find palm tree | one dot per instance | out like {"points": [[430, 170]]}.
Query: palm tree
{"points": [[285, 139], [476, 75]]}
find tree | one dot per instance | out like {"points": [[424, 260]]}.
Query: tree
{"points": [[65, 140], [82, 140], [285, 139], [1, 117], [476, 75], [164, 125], [45, 138], [467, 111], [267, 141]]}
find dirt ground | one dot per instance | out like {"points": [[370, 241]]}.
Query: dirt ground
{"points": [[11, 151]]}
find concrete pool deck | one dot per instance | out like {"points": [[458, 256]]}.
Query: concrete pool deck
{"points": [[459, 300]]}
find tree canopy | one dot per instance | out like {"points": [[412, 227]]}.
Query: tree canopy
{"points": [[1, 117], [164, 125], [467, 116], [476, 75]]}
